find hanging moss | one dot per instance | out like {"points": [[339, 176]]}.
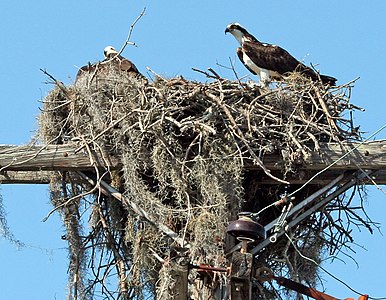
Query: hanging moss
{"points": [[184, 146]]}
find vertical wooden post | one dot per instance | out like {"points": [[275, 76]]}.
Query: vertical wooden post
{"points": [[179, 273], [240, 277]]}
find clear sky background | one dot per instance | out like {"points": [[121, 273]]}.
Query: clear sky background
{"points": [[346, 39]]}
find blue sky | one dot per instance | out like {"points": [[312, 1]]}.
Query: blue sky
{"points": [[346, 39]]}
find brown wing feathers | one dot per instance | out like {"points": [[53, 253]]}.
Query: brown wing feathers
{"points": [[103, 68], [127, 66], [270, 57]]}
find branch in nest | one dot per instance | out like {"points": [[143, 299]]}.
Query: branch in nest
{"points": [[240, 135], [215, 76], [57, 83], [128, 42]]}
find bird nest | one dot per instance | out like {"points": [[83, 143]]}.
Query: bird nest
{"points": [[186, 150]]}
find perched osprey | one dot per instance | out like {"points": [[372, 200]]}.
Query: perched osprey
{"points": [[111, 55], [112, 61], [269, 61]]}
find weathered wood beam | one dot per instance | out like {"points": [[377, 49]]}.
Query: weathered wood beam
{"points": [[44, 177], [370, 155], [26, 177], [51, 158], [31, 164]]}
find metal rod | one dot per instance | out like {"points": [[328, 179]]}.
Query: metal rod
{"points": [[318, 205], [297, 207]]}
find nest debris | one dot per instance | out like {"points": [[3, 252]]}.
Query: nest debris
{"points": [[184, 147]]}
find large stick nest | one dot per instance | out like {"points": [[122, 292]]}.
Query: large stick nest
{"points": [[184, 148]]}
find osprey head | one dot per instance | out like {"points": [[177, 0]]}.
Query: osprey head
{"points": [[237, 31], [109, 51], [235, 27]]}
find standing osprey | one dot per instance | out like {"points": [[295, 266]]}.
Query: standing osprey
{"points": [[269, 61], [112, 61]]}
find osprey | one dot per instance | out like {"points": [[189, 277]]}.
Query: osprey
{"points": [[123, 64], [269, 61], [113, 61]]}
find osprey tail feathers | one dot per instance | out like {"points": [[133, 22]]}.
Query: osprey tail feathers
{"points": [[328, 79]]}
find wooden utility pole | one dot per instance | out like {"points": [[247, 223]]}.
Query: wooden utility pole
{"points": [[32, 164], [331, 166], [241, 267]]}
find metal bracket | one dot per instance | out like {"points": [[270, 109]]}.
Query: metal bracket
{"points": [[352, 180], [281, 222]]}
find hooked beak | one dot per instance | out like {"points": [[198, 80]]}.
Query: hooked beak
{"points": [[227, 30]]}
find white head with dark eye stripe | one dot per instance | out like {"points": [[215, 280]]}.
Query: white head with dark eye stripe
{"points": [[109, 51], [237, 31]]}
